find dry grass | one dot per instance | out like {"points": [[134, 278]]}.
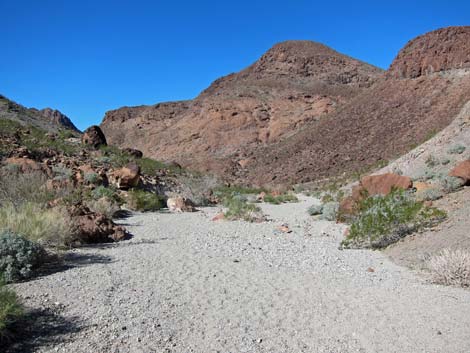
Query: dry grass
{"points": [[451, 267], [104, 205], [46, 226]]}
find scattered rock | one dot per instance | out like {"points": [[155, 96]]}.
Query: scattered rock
{"points": [[284, 228], [462, 171], [180, 204]]}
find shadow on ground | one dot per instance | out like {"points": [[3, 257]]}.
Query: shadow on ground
{"points": [[38, 328]]}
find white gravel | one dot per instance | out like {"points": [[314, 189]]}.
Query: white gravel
{"points": [[187, 284]]}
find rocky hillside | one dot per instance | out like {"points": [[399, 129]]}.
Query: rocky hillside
{"points": [[294, 83], [47, 119], [304, 111]]}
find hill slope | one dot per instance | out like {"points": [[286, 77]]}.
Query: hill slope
{"points": [[295, 82]]}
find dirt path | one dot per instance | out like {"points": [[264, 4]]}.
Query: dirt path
{"points": [[186, 284]]}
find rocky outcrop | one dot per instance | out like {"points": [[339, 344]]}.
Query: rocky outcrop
{"points": [[126, 177], [462, 171], [59, 119], [94, 137], [383, 184]]}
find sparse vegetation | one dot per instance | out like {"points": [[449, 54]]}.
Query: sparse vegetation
{"points": [[10, 308], [450, 184], [430, 194], [283, 198], [315, 210], [451, 267], [330, 211], [92, 178], [456, 149], [431, 161], [238, 208], [18, 256], [104, 205], [383, 220], [140, 200]]}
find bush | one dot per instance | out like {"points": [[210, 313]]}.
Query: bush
{"points": [[315, 210], [451, 267], [92, 178], [431, 161], [456, 149], [330, 211], [47, 226], [239, 208], [10, 308], [102, 191], [18, 256], [198, 188], [450, 184], [62, 173], [139, 200], [283, 198], [383, 220], [105, 205], [430, 194]]}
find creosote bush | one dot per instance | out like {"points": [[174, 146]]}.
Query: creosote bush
{"points": [[451, 267], [140, 200], [383, 220], [18, 256], [238, 208]]}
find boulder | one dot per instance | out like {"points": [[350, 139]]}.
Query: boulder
{"points": [[133, 152], [462, 171], [94, 137], [91, 227], [126, 177], [383, 184], [180, 204]]}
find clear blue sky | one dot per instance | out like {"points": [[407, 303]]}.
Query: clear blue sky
{"points": [[86, 57]]}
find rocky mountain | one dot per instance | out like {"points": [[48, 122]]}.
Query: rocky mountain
{"points": [[304, 111], [294, 83], [48, 119]]}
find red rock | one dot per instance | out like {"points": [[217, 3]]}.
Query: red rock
{"points": [[383, 184], [462, 171], [218, 217], [94, 137], [126, 177]]}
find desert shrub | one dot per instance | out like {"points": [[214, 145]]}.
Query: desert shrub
{"points": [[330, 211], [10, 308], [17, 188], [102, 191], [47, 226], [430, 194], [425, 175], [18, 256], [283, 198], [62, 173], [92, 178], [198, 188], [150, 166], [315, 210], [450, 184], [105, 205], [451, 267], [456, 149], [140, 200], [383, 220], [431, 161], [239, 208]]}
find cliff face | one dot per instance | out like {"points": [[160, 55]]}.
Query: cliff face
{"points": [[59, 119], [304, 111]]}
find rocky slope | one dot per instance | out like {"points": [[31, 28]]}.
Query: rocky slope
{"points": [[295, 82], [48, 119], [304, 111]]}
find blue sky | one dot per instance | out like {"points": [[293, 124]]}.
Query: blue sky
{"points": [[86, 57]]}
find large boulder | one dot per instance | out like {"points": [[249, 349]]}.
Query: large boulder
{"points": [[462, 171], [383, 184], [126, 177], [94, 137], [91, 227], [180, 204]]}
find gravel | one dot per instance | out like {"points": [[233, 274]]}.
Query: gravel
{"points": [[187, 284]]}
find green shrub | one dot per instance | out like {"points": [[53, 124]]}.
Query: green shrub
{"points": [[102, 191], [47, 226], [62, 173], [92, 178], [239, 208], [456, 149], [330, 211], [450, 184], [283, 198], [315, 210], [383, 220], [140, 200], [18, 256], [10, 308], [105, 206]]}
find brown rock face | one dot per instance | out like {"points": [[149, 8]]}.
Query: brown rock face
{"points": [[462, 171], [293, 83], [440, 50], [59, 119], [304, 111], [93, 136]]}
